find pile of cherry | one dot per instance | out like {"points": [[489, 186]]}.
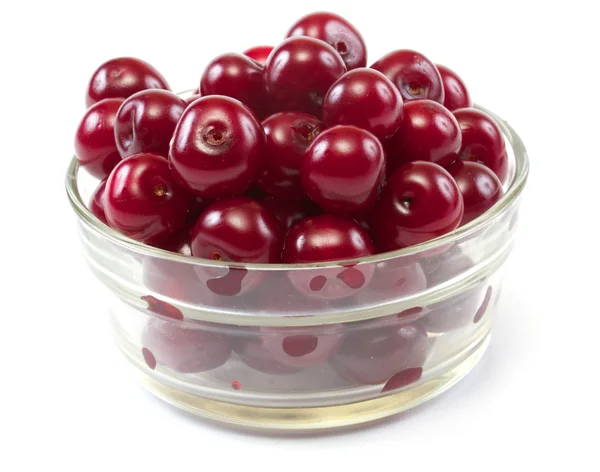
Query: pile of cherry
{"points": [[297, 153]]}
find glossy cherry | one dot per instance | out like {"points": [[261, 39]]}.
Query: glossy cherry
{"points": [[288, 135], [421, 201], [95, 145], [289, 212], [122, 77], [146, 122], [299, 72], [217, 148], [479, 186], [482, 141], [456, 94], [428, 132], [237, 76], [97, 202], [259, 53], [336, 31], [413, 74], [372, 353], [237, 229], [365, 98], [328, 238], [185, 347], [344, 170], [143, 200]]}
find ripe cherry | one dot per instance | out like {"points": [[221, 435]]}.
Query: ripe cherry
{"points": [[143, 200], [237, 229], [421, 201], [95, 145], [146, 121], [237, 76], [259, 53], [97, 202], [217, 148], [336, 31], [428, 132], [122, 77], [482, 141], [299, 72], [344, 170], [288, 135], [456, 94], [479, 186], [413, 74], [328, 238], [365, 98]]}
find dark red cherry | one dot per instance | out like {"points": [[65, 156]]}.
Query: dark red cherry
{"points": [[413, 74], [122, 77], [372, 353], [428, 132], [288, 136], [186, 347], [259, 53], [197, 206], [289, 212], [344, 170], [192, 98], [328, 238], [143, 200], [482, 141], [479, 186], [336, 31], [456, 94], [421, 201], [237, 229], [146, 121], [365, 98], [97, 202], [237, 76], [178, 242], [217, 148], [299, 72], [95, 145]]}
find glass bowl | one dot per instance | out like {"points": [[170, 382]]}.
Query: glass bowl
{"points": [[305, 346]]}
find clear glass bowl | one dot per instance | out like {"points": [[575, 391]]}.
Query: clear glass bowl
{"points": [[305, 346]]}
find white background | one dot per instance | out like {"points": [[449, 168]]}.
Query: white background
{"points": [[67, 398]]}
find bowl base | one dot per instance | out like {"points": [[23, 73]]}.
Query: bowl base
{"points": [[315, 418]]}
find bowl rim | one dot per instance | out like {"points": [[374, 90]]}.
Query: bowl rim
{"points": [[512, 193]]}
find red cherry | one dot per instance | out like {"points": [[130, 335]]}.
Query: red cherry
{"points": [[217, 148], [288, 136], [413, 74], [479, 186], [336, 31], [254, 353], [146, 121], [237, 76], [299, 72], [143, 200], [428, 132], [122, 77], [237, 229], [482, 141], [289, 212], [365, 98], [259, 53], [302, 346], [185, 347], [197, 206], [192, 98], [344, 170], [420, 202], [97, 202], [373, 353], [454, 313], [178, 242], [328, 238], [456, 94], [95, 145]]}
